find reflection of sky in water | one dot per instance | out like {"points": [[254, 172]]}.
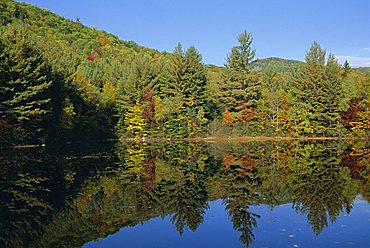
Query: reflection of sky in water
{"points": [[280, 226]]}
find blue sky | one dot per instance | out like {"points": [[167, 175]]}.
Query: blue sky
{"points": [[281, 28]]}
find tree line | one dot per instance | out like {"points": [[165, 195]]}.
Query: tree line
{"points": [[61, 80]]}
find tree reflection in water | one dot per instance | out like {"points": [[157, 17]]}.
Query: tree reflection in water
{"points": [[53, 199]]}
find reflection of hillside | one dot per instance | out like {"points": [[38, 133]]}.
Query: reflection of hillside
{"points": [[90, 199], [35, 185]]}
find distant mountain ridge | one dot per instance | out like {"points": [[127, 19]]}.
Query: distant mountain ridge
{"points": [[289, 64], [362, 70], [281, 63], [259, 65]]}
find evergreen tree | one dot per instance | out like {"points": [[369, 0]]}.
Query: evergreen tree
{"points": [[317, 95], [187, 88], [26, 83], [140, 75], [174, 86], [346, 68], [273, 101], [194, 78], [195, 81], [333, 101], [239, 88]]}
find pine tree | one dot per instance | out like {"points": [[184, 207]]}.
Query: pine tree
{"points": [[346, 68], [239, 87], [187, 88], [175, 87], [317, 92], [333, 98], [173, 91], [194, 78], [26, 83], [140, 75], [195, 81]]}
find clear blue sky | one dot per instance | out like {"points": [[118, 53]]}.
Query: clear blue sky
{"points": [[281, 28]]}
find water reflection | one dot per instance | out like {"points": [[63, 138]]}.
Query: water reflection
{"points": [[55, 198]]}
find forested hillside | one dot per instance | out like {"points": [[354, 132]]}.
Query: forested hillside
{"points": [[61, 80], [281, 64], [363, 70]]}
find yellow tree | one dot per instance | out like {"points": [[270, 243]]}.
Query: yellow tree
{"points": [[134, 122]]}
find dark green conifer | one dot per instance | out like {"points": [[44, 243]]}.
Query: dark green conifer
{"points": [[239, 88], [26, 82], [346, 68], [318, 95], [194, 78]]}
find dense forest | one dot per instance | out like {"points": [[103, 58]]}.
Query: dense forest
{"points": [[60, 80]]}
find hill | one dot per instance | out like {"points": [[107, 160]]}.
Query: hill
{"points": [[362, 70], [87, 67], [279, 63], [286, 65], [45, 22]]}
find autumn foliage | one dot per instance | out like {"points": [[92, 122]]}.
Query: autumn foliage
{"points": [[227, 118], [228, 159], [247, 116]]}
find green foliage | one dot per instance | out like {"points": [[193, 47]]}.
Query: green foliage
{"points": [[26, 84], [183, 113], [62, 80], [273, 104], [194, 79], [362, 70], [317, 172], [318, 95], [139, 75], [283, 65], [242, 55], [346, 69], [240, 87]]}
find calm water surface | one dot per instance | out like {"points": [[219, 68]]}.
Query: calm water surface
{"points": [[176, 194]]}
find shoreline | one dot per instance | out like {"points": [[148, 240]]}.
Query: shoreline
{"points": [[210, 139]]}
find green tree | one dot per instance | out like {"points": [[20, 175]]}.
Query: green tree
{"points": [[26, 84], [317, 95], [195, 81], [174, 86], [346, 69], [194, 78], [185, 90], [139, 75], [273, 102], [239, 88]]}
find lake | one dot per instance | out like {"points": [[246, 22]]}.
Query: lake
{"points": [[183, 194]]}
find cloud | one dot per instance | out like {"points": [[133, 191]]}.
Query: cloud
{"points": [[366, 49], [355, 61]]}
